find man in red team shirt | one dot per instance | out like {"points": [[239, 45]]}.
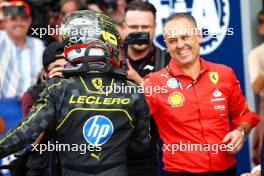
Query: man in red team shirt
{"points": [[192, 115]]}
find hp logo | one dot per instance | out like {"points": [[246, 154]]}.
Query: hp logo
{"points": [[97, 130]]}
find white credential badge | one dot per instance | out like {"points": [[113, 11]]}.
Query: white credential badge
{"points": [[173, 83]]}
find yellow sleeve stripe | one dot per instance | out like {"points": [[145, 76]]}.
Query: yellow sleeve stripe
{"points": [[25, 122], [30, 117]]}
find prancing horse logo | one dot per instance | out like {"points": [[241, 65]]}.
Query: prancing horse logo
{"points": [[97, 82]]}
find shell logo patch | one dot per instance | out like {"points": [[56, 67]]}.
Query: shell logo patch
{"points": [[176, 99], [214, 78]]}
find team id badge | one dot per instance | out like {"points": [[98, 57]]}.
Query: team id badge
{"points": [[173, 83]]}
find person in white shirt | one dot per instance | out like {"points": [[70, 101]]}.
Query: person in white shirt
{"points": [[20, 55]]}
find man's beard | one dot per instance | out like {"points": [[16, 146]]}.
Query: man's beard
{"points": [[140, 48]]}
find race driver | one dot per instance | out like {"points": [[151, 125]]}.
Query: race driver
{"points": [[80, 108]]}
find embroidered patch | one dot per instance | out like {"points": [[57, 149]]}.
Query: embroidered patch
{"points": [[176, 99]]}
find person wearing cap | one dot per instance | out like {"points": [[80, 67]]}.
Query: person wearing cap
{"points": [[21, 55], [53, 61], [32, 163]]}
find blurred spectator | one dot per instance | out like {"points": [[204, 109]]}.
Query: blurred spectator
{"points": [[118, 13], [94, 7], [256, 73], [44, 15], [52, 24], [143, 59], [140, 19], [66, 6], [21, 55]]}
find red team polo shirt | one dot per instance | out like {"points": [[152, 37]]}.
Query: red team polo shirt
{"points": [[192, 115]]}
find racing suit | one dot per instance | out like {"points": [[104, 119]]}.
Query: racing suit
{"points": [[87, 109]]}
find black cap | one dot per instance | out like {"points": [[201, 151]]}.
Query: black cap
{"points": [[49, 54]]}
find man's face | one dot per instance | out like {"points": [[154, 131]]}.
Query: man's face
{"points": [[182, 40], [17, 26], [121, 4], [140, 21]]}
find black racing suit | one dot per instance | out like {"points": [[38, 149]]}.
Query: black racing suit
{"points": [[87, 110]]}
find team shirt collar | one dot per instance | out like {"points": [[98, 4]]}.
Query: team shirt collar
{"points": [[176, 71]]}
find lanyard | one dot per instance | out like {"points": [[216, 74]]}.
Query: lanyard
{"points": [[192, 83]]}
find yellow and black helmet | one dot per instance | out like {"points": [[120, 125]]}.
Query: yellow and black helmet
{"points": [[90, 36]]}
